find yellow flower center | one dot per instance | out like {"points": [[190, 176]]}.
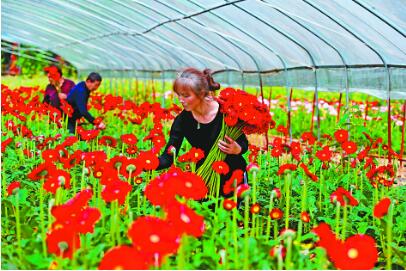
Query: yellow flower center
{"points": [[185, 218], [154, 238], [188, 184], [352, 253]]}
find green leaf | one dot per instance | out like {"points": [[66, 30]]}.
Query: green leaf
{"points": [[38, 260]]}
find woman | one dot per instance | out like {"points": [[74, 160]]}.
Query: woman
{"points": [[200, 122], [58, 87]]}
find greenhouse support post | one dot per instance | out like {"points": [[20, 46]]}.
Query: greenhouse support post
{"points": [[313, 108], [366, 111], [262, 101], [288, 125], [339, 107], [389, 132], [402, 143]]}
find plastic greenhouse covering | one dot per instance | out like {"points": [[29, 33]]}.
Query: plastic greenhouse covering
{"points": [[322, 45]]}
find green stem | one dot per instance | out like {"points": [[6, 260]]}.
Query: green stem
{"points": [[275, 229], [288, 260], [42, 218], [344, 229], [181, 253], [18, 225], [337, 224], [320, 191], [235, 242], [246, 236], [287, 194], [82, 179], [389, 226], [268, 224]]}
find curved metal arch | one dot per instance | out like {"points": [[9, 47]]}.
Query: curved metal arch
{"points": [[150, 29], [84, 9], [308, 28], [381, 17], [311, 59], [135, 22], [138, 51], [229, 41], [112, 47], [363, 41], [63, 36], [43, 11], [236, 62], [353, 34], [176, 32], [82, 41]]}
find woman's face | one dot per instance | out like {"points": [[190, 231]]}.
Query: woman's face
{"points": [[188, 99]]}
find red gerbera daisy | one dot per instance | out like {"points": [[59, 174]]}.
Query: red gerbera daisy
{"points": [[13, 187], [154, 235], [255, 208], [325, 154], [308, 173], [349, 147], [220, 167], [358, 252], [63, 242], [73, 206], [159, 191], [188, 185], [231, 184], [50, 155], [242, 190], [40, 171], [341, 135], [51, 185], [305, 217], [184, 219], [5, 143], [86, 220], [286, 167], [277, 192], [124, 258], [295, 150], [131, 149], [308, 137], [116, 190], [129, 139], [88, 135], [276, 152], [148, 160], [276, 214], [343, 197], [381, 208], [229, 204], [108, 141]]}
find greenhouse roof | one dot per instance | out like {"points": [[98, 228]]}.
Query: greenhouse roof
{"points": [[332, 44]]}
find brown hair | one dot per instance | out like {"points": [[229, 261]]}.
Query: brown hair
{"points": [[200, 82]]}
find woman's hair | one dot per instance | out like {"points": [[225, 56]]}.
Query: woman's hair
{"points": [[200, 82]]}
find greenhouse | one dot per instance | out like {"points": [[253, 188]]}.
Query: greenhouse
{"points": [[190, 134]]}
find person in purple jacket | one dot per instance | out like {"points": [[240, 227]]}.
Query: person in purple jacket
{"points": [[78, 98], [58, 87]]}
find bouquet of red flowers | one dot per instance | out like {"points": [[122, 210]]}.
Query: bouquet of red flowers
{"points": [[243, 113]]}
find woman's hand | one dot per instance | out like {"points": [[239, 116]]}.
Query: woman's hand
{"points": [[62, 96], [230, 147]]}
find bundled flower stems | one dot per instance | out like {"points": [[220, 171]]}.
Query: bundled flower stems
{"points": [[243, 113]]}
